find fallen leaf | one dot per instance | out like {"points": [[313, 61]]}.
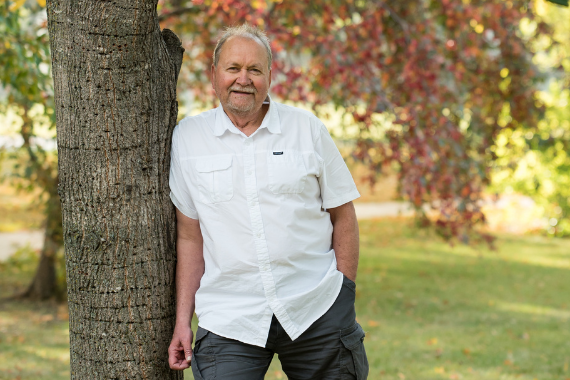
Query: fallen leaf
{"points": [[439, 370], [372, 323], [432, 341], [46, 318], [466, 352], [508, 362], [401, 376]]}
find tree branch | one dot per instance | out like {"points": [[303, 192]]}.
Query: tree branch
{"points": [[175, 49]]}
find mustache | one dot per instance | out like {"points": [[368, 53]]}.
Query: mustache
{"points": [[249, 90]]}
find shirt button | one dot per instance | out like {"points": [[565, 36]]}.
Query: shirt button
{"points": [[258, 235], [249, 172]]}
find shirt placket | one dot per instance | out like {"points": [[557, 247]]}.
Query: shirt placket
{"points": [[258, 231]]}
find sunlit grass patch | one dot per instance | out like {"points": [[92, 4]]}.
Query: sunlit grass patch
{"points": [[535, 310]]}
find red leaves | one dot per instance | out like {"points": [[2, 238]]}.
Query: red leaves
{"points": [[400, 58]]}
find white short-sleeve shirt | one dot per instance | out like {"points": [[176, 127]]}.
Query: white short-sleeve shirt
{"points": [[261, 204]]}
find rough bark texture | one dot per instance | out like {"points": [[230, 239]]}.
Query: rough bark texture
{"points": [[115, 96]]}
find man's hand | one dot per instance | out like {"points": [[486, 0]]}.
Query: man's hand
{"points": [[180, 349]]}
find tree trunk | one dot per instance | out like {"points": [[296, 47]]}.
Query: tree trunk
{"points": [[115, 94], [44, 284]]}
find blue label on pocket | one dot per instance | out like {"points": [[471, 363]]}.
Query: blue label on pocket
{"points": [[277, 153]]}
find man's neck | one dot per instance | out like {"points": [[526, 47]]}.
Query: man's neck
{"points": [[249, 123]]}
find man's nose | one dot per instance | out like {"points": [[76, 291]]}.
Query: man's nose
{"points": [[243, 78]]}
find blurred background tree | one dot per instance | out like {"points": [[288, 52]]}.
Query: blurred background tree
{"points": [[455, 95], [27, 92], [425, 86]]}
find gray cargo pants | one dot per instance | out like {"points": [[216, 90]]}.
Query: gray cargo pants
{"points": [[332, 348]]}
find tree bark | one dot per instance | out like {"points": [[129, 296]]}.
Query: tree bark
{"points": [[115, 95]]}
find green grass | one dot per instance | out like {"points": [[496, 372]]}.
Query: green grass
{"points": [[433, 311], [430, 311]]}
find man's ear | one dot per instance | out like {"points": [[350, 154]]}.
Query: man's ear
{"points": [[269, 78]]}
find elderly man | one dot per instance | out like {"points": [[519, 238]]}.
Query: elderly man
{"points": [[267, 235]]}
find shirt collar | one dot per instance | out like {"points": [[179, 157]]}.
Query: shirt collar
{"points": [[270, 121]]}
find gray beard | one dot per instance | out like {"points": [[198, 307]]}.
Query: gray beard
{"points": [[241, 109]]}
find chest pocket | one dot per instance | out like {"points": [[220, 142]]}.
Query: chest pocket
{"points": [[287, 172], [215, 181]]}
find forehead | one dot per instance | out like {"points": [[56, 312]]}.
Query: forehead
{"points": [[246, 49]]}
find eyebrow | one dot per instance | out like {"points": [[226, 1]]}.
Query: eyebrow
{"points": [[255, 65]]}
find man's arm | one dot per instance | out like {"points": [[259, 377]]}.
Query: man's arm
{"points": [[189, 271], [345, 239]]}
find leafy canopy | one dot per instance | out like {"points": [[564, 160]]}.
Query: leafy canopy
{"points": [[429, 84]]}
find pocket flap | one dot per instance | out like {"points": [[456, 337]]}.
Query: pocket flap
{"points": [[210, 164], [352, 336]]}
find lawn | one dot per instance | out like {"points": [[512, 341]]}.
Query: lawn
{"points": [[430, 311]]}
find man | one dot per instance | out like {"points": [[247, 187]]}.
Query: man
{"points": [[267, 235]]}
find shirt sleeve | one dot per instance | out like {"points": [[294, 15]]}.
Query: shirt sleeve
{"points": [[335, 180], [179, 192]]}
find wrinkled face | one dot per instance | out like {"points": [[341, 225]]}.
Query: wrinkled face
{"points": [[241, 79]]}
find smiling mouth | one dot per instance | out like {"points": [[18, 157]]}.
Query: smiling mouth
{"points": [[243, 92]]}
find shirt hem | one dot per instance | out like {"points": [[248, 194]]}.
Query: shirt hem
{"points": [[337, 292], [252, 342]]}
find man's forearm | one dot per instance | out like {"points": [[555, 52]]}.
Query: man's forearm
{"points": [[345, 239], [189, 271]]}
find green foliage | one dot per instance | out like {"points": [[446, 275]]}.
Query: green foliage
{"points": [[17, 271], [535, 161], [23, 261], [560, 2], [26, 88], [24, 58]]}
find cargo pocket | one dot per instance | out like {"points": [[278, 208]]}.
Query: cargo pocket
{"points": [[203, 360], [215, 181], [353, 360]]}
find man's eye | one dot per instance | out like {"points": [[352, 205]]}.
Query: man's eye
{"points": [[233, 69], [256, 71]]}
